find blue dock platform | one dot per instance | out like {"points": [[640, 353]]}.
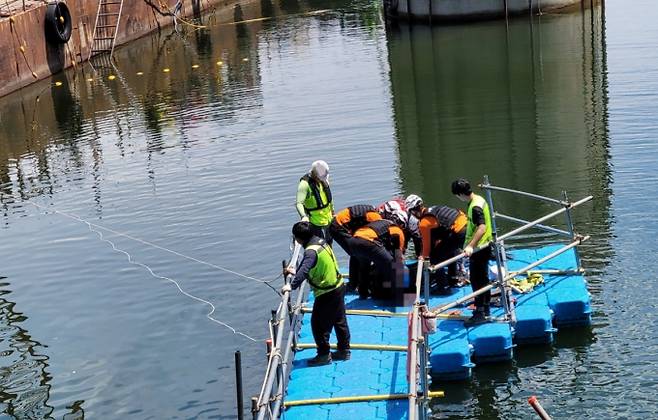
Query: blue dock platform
{"points": [[561, 301]]}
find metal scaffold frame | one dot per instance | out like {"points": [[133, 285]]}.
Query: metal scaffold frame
{"points": [[286, 320], [497, 244]]}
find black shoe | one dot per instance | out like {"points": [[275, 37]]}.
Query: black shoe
{"points": [[441, 291], [341, 355], [478, 318], [319, 360]]}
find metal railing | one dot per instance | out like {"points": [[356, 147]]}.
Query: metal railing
{"points": [[286, 320], [497, 244], [267, 405]]}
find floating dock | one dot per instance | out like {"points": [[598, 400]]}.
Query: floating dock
{"points": [[377, 383]]}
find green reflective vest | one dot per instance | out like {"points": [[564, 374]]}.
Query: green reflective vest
{"points": [[318, 202], [324, 276], [478, 201]]}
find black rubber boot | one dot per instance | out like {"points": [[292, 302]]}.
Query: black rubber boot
{"points": [[341, 355], [478, 318], [320, 360]]}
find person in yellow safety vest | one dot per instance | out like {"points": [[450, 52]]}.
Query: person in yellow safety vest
{"points": [[314, 201], [320, 269], [479, 233]]}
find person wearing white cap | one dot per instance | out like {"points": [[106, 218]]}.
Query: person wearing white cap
{"points": [[314, 201]]}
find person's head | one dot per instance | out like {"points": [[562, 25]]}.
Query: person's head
{"points": [[400, 218], [320, 171], [302, 232], [462, 189], [414, 205], [389, 207]]}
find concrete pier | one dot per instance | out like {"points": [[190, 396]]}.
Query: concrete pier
{"points": [[26, 56], [464, 10]]}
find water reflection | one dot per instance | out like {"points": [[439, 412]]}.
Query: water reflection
{"points": [[24, 380], [525, 104]]}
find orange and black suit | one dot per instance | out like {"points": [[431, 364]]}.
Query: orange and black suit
{"points": [[382, 244], [443, 229], [342, 229]]}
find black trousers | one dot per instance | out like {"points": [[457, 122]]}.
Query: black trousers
{"points": [[341, 235], [479, 266], [388, 281], [344, 238], [449, 246], [328, 314]]}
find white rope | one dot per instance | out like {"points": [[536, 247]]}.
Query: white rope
{"points": [[180, 289], [125, 235], [132, 261]]}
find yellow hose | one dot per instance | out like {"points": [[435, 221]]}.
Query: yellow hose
{"points": [[358, 398]]}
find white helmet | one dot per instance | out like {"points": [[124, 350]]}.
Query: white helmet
{"points": [[400, 218], [391, 206], [413, 202], [320, 170]]}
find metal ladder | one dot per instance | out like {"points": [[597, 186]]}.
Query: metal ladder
{"points": [[106, 27]]}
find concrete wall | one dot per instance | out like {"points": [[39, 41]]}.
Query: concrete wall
{"points": [[456, 10], [140, 17]]}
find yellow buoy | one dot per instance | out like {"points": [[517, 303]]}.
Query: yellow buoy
{"points": [[58, 83], [90, 79], [245, 59], [139, 73], [195, 66], [111, 77], [219, 63], [166, 70]]}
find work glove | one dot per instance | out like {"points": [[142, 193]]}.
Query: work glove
{"points": [[305, 219], [286, 288]]}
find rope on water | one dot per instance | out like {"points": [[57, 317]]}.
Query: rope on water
{"points": [[91, 227], [180, 289]]}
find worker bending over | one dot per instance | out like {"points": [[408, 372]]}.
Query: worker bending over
{"points": [[411, 229], [320, 269], [443, 230], [314, 201], [479, 233], [382, 244], [342, 229]]}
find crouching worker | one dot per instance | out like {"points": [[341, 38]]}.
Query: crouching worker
{"points": [[342, 229], [382, 243], [320, 269]]}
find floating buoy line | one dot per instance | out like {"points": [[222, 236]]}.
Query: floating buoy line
{"points": [[97, 229]]}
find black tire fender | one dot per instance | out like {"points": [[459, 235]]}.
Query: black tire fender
{"points": [[58, 23]]}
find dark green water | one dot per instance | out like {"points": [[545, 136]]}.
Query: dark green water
{"points": [[204, 162]]}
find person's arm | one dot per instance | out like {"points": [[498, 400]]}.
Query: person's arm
{"points": [[302, 192], [479, 221], [309, 260], [426, 225]]}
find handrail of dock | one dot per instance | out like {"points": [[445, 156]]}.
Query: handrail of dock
{"points": [[278, 365], [497, 243], [516, 231], [510, 276]]}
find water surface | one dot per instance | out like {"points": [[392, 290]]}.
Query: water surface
{"points": [[203, 161]]}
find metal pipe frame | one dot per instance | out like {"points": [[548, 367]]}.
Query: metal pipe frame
{"points": [[527, 194], [275, 361], [499, 250], [542, 219], [413, 362], [538, 226], [524, 270]]}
